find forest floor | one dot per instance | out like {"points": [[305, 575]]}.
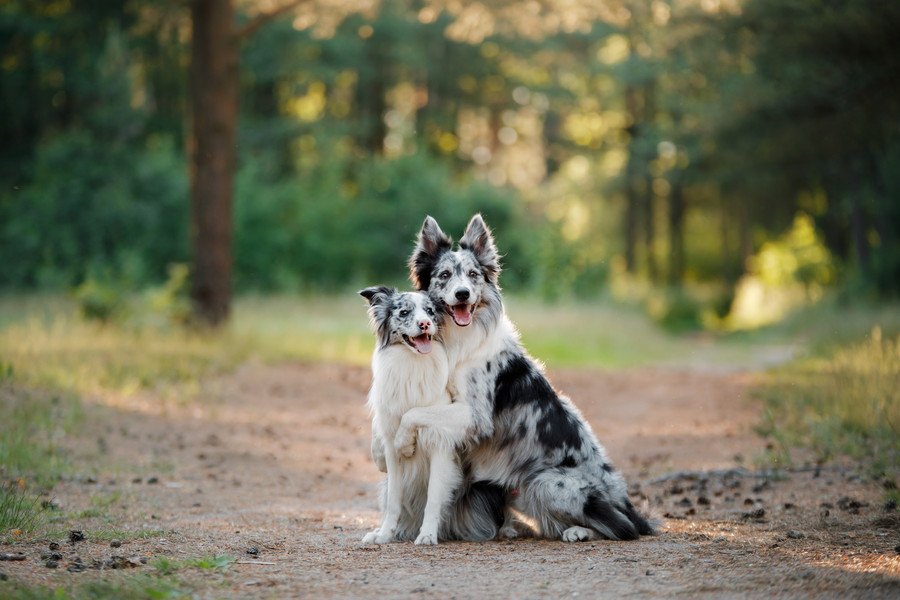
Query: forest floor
{"points": [[266, 472]]}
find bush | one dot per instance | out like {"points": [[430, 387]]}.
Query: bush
{"points": [[95, 207], [328, 229]]}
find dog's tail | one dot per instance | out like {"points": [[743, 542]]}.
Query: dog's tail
{"points": [[616, 521], [477, 514]]}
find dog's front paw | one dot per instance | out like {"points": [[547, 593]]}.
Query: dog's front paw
{"points": [[578, 534], [508, 532], [384, 537], [370, 537], [427, 539], [405, 442]]}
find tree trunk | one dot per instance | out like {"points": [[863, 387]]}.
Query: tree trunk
{"points": [[650, 229], [676, 233], [632, 201], [214, 101]]}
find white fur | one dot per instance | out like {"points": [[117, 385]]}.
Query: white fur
{"points": [[409, 392]]}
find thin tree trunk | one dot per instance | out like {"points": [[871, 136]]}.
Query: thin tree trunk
{"points": [[744, 241], [676, 233], [650, 229], [630, 224], [214, 102]]}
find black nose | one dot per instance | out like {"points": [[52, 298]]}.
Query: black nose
{"points": [[462, 294]]}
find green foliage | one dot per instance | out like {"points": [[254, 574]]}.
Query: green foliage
{"points": [[113, 587], [324, 231], [786, 273], [846, 403]]}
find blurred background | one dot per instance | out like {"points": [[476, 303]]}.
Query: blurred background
{"points": [[718, 163], [192, 191]]}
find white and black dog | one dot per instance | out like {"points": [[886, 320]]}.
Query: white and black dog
{"points": [[526, 450], [409, 387]]}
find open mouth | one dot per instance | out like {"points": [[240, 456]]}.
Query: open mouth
{"points": [[461, 313], [420, 343]]}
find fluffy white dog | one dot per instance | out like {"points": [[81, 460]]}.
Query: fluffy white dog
{"points": [[409, 390]]}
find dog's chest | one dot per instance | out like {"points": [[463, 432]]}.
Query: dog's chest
{"points": [[401, 381]]}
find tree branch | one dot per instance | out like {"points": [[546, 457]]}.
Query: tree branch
{"points": [[254, 24]]}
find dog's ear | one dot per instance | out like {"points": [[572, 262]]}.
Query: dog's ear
{"points": [[377, 294], [430, 245], [379, 298], [480, 241]]}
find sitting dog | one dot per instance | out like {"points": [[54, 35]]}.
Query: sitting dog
{"points": [[409, 387], [523, 440]]}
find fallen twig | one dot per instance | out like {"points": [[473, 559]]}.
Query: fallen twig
{"points": [[255, 562]]}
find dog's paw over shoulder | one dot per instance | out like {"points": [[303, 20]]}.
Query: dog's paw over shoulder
{"points": [[405, 442]]}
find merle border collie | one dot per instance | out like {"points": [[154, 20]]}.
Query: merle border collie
{"points": [[410, 372], [530, 462]]}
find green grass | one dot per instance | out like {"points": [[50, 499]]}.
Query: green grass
{"points": [[844, 402], [19, 510], [114, 586], [167, 566]]}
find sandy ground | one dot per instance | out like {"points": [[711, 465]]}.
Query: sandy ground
{"points": [[276, 458]]}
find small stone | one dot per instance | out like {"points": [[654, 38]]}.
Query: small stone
{"points": [[795, 535], [152, 480], [703, 501], [748, 501], [137, 480], [53, 546], [789, 505], [649, 572], [3, 576], [115, 544], [890, 505], [253, 551], [51, 564], [684, 502], [76, 536]]}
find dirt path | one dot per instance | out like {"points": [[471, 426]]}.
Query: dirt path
{"points": [[276, 458]]}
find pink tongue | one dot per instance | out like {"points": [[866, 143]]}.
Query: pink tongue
{"points": [[461, 314], [422, 344]]}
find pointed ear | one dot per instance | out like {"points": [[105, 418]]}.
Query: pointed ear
{"points": [[480, 241], [430, 245], [378, 294]]}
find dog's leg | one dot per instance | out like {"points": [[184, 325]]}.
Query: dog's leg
{"points": [[445, 426], [444, 477], [378, 448], [564, 504], [393, 501]]}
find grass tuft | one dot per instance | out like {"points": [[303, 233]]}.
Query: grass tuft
{"points": [[19, 511], [846, 403]]}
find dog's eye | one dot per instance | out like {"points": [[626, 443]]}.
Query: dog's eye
{"points": [[473, 274], [444, 275], [404, 313], [429, 311]]}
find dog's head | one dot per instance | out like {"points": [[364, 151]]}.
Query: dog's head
{"points": [[457, 279], [408, 318]]}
